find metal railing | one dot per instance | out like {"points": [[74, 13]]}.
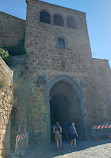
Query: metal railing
{"points": [[98, 131]]}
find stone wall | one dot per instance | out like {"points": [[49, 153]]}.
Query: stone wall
{"points": [[11, 29], [6, 97], [49, 63], [14, 94], [102, 74], [97, 100], [47, 60], [19, 115], [49, 70]]}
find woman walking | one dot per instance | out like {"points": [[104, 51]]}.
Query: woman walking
{"points": [[74, 134], [58, 135]]}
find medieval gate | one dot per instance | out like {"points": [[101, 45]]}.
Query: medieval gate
{"points": [[65, 102]]}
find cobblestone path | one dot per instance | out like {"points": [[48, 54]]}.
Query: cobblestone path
{"points": [[85, 149]]}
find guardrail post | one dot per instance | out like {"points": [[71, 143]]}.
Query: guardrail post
{"points": [[16, 146]]}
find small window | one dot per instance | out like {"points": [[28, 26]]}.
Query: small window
{"points": [[58, 20], [61, 42], [71, 23], [45, 17]]}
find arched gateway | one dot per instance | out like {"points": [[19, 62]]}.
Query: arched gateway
{"points": [[64, 102]]}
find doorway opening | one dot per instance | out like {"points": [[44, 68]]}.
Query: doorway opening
{"points": [[64, 106]]}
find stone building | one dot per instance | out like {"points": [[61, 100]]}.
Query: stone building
{"points": [[66, 83], [57, 80]]}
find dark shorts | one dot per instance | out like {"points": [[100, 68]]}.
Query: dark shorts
{"points": [[73, 136]]}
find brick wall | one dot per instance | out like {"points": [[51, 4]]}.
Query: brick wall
{"points": [[11, 29], [5, 108]]}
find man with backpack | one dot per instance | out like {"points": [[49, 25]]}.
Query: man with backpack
{"points": [[73, 134]]}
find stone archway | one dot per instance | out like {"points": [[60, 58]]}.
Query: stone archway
{"points": [[60, 88]]}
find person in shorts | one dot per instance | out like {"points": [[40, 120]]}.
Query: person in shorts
{"points": [[73, 134], [58, 135]]}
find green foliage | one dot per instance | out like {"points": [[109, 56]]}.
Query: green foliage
{"points": [[16, 49], [4, 54], [7, 52]]}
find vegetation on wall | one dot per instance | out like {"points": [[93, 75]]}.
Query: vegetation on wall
{"points": [[8, 51], [4, 54], [17, 49]]}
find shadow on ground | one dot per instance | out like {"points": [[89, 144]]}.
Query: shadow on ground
{"points": [[50, 150]]}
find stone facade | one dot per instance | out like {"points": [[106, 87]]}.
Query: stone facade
{"points": [[52, 83], [49, 65], [102, 76], [98, 93], [6, 97], [12, 29]]}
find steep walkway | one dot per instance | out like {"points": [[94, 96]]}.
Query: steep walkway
{"points": [[86, 149]]}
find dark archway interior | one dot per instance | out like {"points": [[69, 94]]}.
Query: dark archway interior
{"points": [[65, 106], [60, 109]]}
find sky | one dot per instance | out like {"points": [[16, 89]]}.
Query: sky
{"points": [[98, 15]]}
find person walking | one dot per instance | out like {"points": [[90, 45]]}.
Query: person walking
{"points": [[74, 134], [58, 135]]}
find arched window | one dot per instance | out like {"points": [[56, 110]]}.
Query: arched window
{"points": [[58, 20], [45, 17], [71, 23]]}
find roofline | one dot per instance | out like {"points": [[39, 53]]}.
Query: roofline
{"points": [[12, 16], [105, 60], [40, 1]]}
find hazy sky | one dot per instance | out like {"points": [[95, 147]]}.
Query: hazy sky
{"points": [[98, 20]]}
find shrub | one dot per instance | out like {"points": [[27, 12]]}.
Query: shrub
{"points": [[4, 54], [6, 57], [16, 49]]}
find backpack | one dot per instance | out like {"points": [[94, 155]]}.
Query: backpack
{"points": [[70, 130]]}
